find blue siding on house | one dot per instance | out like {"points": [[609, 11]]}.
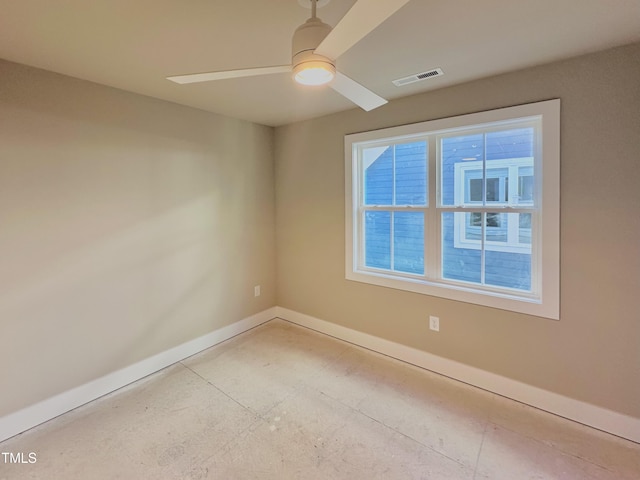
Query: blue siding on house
{"points": [[458, 263], [411, 174], [407, 162], [378, 178], [408, 242], [504, 269], [406, 165], [512, 270], [377, 228]]}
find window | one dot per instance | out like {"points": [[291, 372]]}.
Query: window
{"points": [[465, 208]]}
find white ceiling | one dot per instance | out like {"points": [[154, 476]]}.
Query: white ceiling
{"points": [[135, 44]]}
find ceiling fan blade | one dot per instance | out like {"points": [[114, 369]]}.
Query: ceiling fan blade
{"points": [[362, 18], [361, 96], [247, 72]]}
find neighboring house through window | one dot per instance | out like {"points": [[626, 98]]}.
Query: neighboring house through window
{"points": [[508, 182], [465, 208]]}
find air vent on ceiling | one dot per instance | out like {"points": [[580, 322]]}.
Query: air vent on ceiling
{"points": [[436, 72]]}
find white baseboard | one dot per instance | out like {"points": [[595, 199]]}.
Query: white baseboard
{"points": [[585, 413], [34, 415], [576, 410]]}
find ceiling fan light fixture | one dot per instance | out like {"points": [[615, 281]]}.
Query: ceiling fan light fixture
{"points": [[310, 68], [315, 46], [314, 73]]}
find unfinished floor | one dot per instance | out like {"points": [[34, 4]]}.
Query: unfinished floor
{"points": [[285, 402]]}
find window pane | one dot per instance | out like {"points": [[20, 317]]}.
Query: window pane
{"points": [[525, 185], [395, 170], [408, 242], [495, 223], [462, 149], [475, 190], [524, 228], [510, 143], [459, 263], [378, 175], [465, 154], [503, 267], [497, 184], [473, 230], [496, 227], [474, 220], [507, 259], [411, 173], [493, 189], [377, 234]]}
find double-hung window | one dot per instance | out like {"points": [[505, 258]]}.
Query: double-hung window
{"points": [[465, 208]]}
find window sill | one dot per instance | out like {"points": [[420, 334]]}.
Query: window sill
{"points": [[520, 302]]}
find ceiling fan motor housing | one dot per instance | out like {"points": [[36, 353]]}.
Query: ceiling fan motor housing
{"points": [[306, 39]]}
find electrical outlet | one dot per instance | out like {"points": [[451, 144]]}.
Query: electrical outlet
{"points": [[256, 291], [434, 323]]}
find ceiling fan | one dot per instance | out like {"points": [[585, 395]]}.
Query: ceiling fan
{"points": [[315, 48]]}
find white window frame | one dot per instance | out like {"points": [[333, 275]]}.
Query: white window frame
{"points": [[544, 298]]}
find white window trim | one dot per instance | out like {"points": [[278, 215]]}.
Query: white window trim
{"points": [[545, 299]]}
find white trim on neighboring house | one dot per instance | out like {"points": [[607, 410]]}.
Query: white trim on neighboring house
{"points": [[512, 166], [29, 417], [572, 409]]}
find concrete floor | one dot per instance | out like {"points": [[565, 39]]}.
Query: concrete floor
{"points": [[283, 402]]}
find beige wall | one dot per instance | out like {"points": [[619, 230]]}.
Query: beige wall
{"points": [[593, 353], [128, 225]]}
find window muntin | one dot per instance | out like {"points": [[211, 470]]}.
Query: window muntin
{"points": [[454, 207]]}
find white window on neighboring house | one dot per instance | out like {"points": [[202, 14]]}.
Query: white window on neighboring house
{"points": [[465, 208], [506, 183]]}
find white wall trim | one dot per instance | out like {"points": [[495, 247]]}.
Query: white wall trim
{"points": [[585, 413], [34, 415], [576, 410]]}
